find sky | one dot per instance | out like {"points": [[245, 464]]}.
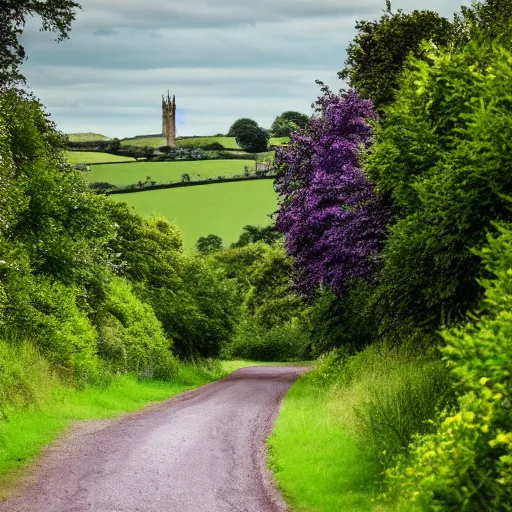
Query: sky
{"points": [[223, 60]]}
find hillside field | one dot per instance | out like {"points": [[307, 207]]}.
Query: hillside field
{"points": [[163, 172], [87, 137], [92, 157], [222, 209]]}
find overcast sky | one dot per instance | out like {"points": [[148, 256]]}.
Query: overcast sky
{"points": [[223, 59]]}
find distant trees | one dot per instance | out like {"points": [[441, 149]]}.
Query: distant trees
{"points": [[56, 16], [208, 244], [241, 125], [253, 139], [252, 234], [288, 122], [249, 136]]}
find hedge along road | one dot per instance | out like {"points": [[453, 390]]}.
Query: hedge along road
{"points": [[201, 451]]}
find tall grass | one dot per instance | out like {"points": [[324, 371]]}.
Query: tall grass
{"points": [[349, 420]]}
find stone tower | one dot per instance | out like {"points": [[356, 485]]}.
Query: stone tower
{"points": [[169, 119]]}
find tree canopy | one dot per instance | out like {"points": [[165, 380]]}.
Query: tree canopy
{"points": [[288, 122], [56, 16], [240, 126], [377, 55]]}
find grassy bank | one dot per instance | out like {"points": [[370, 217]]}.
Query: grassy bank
{"points": [[25, 430], [316, 462]]}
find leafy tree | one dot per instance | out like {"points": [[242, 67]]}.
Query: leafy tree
{"points": [[253, 139], [240, 126], [288, 122], [197, 310], [208, 244], [492, 18], [378, 53], [252, 234], [333, 221], [447, 170], [56, 16]]}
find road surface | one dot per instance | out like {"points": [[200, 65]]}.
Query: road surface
{"points": [[202, 451]]}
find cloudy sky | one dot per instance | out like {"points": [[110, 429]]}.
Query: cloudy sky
{"points": [[223, 59]]}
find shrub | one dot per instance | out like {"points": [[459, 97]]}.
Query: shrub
{"points": [[253, 139], [212, 146], [281, 343], [131, 338], [466, 464]]}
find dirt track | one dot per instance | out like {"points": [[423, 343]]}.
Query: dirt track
{"points": [[203, 451]]}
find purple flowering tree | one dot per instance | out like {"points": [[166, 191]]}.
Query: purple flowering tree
{"points": [[333, 221]]}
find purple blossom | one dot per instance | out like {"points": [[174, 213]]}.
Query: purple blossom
{"points": [[333, 220]]}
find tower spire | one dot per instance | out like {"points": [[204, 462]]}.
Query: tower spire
{"points": [[169, 119]]}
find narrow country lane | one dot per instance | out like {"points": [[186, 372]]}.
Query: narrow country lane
{"points": [[202, 451]]}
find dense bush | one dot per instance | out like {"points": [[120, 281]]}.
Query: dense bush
{"points": [[467, 463], [131, 339], [442, 157], [253, 139], [281, 343], [19, 387], [197, 310]]}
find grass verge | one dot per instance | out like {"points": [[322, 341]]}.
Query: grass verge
{"points": [[316, 462]]}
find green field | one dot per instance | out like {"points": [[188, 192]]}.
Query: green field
{"points": [[86, 137], [91, 157], [164, 172], [222, 208], [227, 142]]}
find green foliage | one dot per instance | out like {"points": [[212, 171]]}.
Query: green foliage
{"points": [[256, 343], [25, 377], [346, 323], [208, 244], [272, 313], [240, 125], [131, 339], [197, 310], [378, 54], [492, 18], [253, 234], [253, 139], [56, 16], [262, 277], [446, 143], [467, 463]]}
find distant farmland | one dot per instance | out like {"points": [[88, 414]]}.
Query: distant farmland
{"points": [[163, 172], [92, 157], [227, 142], [86, 137], [223, 208]]}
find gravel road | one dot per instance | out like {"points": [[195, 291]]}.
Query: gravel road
{"points": [[202, 451]]}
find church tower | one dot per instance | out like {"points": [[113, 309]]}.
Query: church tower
{"points": [[169, 119]]}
